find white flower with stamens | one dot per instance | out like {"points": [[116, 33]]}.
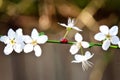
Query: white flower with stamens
{"points": [[108, 36], [13, 41], [70, 25], [79, 44], [84, 60], [33, 41]]}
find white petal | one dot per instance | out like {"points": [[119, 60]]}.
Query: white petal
{"points": [[69, 20], [119, 44], [19, 31], [114, 30], [74, 49], [104, 29], [76, 28], [99, 36], [70, 25], [78, 37], [28, 48], [11, 34], [27, 39], [88, 55], [85, 44], [37, 50], [114, 40], [18, 48], [19, 38], [106, 44], [4, 39], [8, 49], [34, 34], [22, 45], [64, 25], [72, 21], [74, 61], [79, 58], [42, 39]]}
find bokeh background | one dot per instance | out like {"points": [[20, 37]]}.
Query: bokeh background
{"points": [[55, 62]]}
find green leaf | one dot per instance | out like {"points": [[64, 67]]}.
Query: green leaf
{"points": [[41, 33]]}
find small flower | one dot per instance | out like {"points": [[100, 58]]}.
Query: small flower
{"points": [[13, 41], [70, 25], [84, 60], [107, 36], [33, 41], [75, 47]]}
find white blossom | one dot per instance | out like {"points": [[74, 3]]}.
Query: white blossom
{"points": [[70, 25], [13, 41], [108, 36], [84, 60], [33, 41], [80, 43]]}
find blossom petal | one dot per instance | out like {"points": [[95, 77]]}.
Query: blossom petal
{"points": [[114, 39], [74, 61], [34, 34], [69, 20], [104, 29], [119, 44], [85, 44], [99, 36], [42, 39], [73, 21], [8, 49], [74, 49], [76, 28], [19, 32], [27, 39], [28, 48], [78, 37], [88, 55], [37, 50], [11, 34], [79, 57], [4, 39], [114, 30], [64, 25], [106, 44], [18, 48]]}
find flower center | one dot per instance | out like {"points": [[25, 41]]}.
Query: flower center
{"points": [[108, 36], [69, 28], [12, 41], [34, 42], [79, 44]]}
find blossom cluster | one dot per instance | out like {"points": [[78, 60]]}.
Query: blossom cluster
{"points": [[106, 35], [16, 41]]}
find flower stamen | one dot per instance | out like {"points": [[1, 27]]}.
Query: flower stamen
{"points": [[108, 36], [34, 42]]}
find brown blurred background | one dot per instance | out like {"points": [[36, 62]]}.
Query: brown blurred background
{"points": [[55, 62]]}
